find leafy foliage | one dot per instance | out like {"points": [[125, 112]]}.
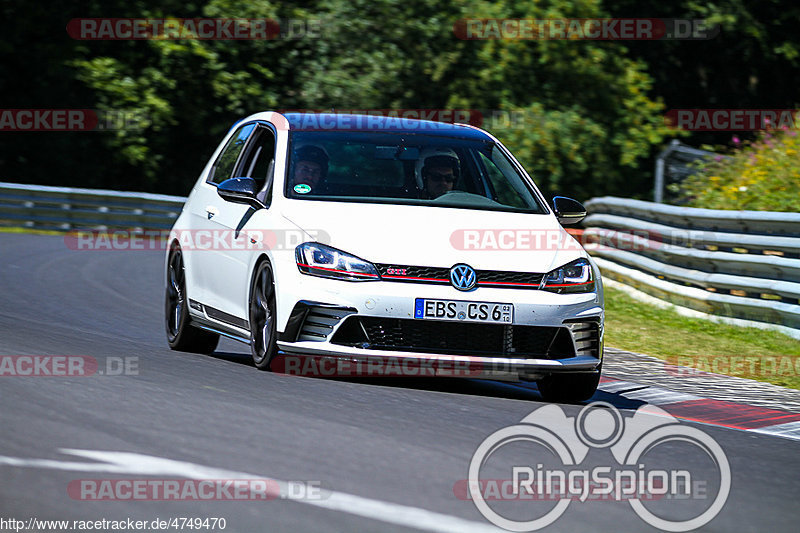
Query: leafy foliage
{"points": [[590, 114], [760, 175]]}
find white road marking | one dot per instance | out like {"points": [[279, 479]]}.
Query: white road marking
{"points": [[619, 386], [790, 430], [659, 396], [139, 464]]}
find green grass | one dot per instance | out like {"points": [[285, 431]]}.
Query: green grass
{"points": [[751, 353]]}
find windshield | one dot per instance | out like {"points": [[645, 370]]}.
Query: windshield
{"points": [[413, 169]]}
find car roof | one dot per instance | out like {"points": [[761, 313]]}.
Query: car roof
{"points": [[327, 122]]}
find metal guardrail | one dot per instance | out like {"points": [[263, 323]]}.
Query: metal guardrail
{"points": [[63, 208], [682, 255], [750, 222], [738, 264]]}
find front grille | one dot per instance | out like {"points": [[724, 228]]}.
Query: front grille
{"points": [[486, 278], [413, 273], [499, 277], [456, 338]]}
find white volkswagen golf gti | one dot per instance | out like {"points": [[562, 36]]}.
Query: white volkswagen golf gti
{"points": [[363, 238]]}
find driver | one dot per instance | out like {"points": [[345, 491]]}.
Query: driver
{"points": [[437, 171]]}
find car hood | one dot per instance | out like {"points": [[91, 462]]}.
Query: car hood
{"points": [[438, 236]]}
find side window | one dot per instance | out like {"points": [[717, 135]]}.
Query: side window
{"points": [[226, 162], [258, 162]]}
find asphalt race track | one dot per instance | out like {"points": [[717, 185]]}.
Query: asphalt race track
{"points": [[386, 454]]}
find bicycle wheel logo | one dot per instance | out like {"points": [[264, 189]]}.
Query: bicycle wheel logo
{"points": [[568, 441]]}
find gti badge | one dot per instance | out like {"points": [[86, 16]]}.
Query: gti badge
{"points": [[463, 277]]}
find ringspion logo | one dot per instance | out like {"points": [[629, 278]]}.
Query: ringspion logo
{"points": [[556, 446]]}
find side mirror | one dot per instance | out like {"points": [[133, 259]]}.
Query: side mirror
{"points": [[240, 191], [568, 211]]}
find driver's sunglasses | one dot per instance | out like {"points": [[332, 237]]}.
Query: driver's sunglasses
{"points": [[436, 176]]}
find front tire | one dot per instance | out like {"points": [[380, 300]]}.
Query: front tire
{"points": [[181, 335], [568, 388], [263, 335]]}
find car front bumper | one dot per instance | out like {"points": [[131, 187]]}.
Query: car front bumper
{"points": [[310, 324]]}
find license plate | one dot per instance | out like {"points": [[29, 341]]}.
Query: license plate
{"points": [[461, 311]]}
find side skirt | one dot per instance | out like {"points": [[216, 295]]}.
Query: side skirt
{"points": [[216, 321]]}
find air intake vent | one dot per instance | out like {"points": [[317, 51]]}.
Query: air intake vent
{"points": [[319, 323], [586, 336]]}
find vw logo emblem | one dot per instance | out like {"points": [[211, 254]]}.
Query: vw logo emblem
{"points": [[463, 277]]}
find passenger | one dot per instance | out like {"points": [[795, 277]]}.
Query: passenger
{"points": [[437, 172]]}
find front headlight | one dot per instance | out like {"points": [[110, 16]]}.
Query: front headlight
{"points": [[320, 260], [572, 277]]}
